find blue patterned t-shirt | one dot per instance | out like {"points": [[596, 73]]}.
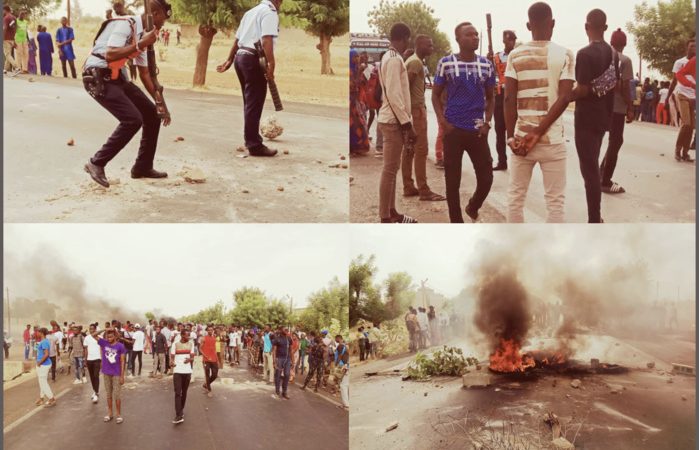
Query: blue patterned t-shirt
{"points": [[466, 84]]}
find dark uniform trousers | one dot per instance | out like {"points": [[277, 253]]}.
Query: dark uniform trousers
{"points": [[134, 110], [254, 86], [315, 369]]}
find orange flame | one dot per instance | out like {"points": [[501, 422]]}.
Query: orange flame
{"points": [[508, 357]]}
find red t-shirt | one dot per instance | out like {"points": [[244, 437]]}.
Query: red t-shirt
{"points": [[208, 349], [9, 27]]}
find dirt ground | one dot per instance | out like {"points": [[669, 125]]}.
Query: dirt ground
{"points": [[298, 64]]}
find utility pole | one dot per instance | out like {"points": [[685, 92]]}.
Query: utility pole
{"points": [[424, 293], [640, 66], [68, 7]]}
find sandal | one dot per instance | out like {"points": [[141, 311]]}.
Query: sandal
{"points": [[119, 419], [402, 218], [107, 418], [432, 197], [614, 188]]}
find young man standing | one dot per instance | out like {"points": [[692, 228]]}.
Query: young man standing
{"points": [[181, 354], [469, 80], [621, 114], [395, 121], [22, 42], [509, 38], [64, 41], [281, 353], [342, 364], [593, 112], [9, 29], [267, 359], [26, 338], [43, 364], [260, 24], [316, 353], [160, 349], [209, 359], [233, 343], [539, 77], [139, 341], [113, 370], [76, 345], [121, 40], [686, 98], [418, 152], [54, 352], [92, 355]]}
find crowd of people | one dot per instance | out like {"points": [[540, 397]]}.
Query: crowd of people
{"points": [[524, 89], [115, 351], [21, 47]]}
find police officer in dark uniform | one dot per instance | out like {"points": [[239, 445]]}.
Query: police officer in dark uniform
{"points": [[260, 24], [106, 79]]}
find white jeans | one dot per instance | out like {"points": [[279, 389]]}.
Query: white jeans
{"points": [[552, 160], [268, 366], [42, 373], [344, 388]]}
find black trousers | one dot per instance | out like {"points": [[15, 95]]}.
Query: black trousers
{"points": [[455, 143], [588, 143], [181, 382], [616, 140], [254, 86], [210, 373], [136, 355], [53, 368], [65, 69], [500, 129], [93, 368], [134, 110], [362, 349], [314, 370]]}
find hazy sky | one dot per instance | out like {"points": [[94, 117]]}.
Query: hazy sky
{"points": [[174, 266], [512, 14], [444, 254]]}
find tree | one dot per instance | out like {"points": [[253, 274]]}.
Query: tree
{"points": [[212, 314], [325, 19], [324, 306], [150, 316], [399, 294], [211, 16], [76, 11], [35, 8], [419, 17], [662, 32], [361, 274]]}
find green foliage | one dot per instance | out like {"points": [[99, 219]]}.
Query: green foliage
{"points": [[448, 361], [323, 17], [324, 306], [36, 8], [418, 16], [662, 32], [150, 316], [399, 294], [361, 273], [215, 314], [219, 14]]}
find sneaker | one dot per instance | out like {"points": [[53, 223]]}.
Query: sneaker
{"points": [[177, 420], [276, 396], [95, 399], [77, 382], [84, 380], [285, 397], [210, 395]]}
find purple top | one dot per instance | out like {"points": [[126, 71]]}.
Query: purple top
{"points": [[111, 357]]}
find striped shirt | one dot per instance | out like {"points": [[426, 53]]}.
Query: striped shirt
{"points": [[538, 66]]}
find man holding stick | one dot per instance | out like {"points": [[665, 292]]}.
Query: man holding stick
{"points": [[105, 78]]}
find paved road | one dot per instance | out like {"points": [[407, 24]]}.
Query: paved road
{"points": [[659, 189], [241, 415], [44, 179], [440, 414]]}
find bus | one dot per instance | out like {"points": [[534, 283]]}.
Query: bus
{"points": [[373, 44]]}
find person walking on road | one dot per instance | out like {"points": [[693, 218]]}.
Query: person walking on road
{"points": [[260, 25], [281, 354], [43, 365], [316, 353], [77, 349], [469, 80], [92, 354], [181, 354], [113, 370], [160, 349], [45, 42], [209, 359], [26, 338], [342, 370], [9, 31], [267, 359], [139, 342], [22, 41]]}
